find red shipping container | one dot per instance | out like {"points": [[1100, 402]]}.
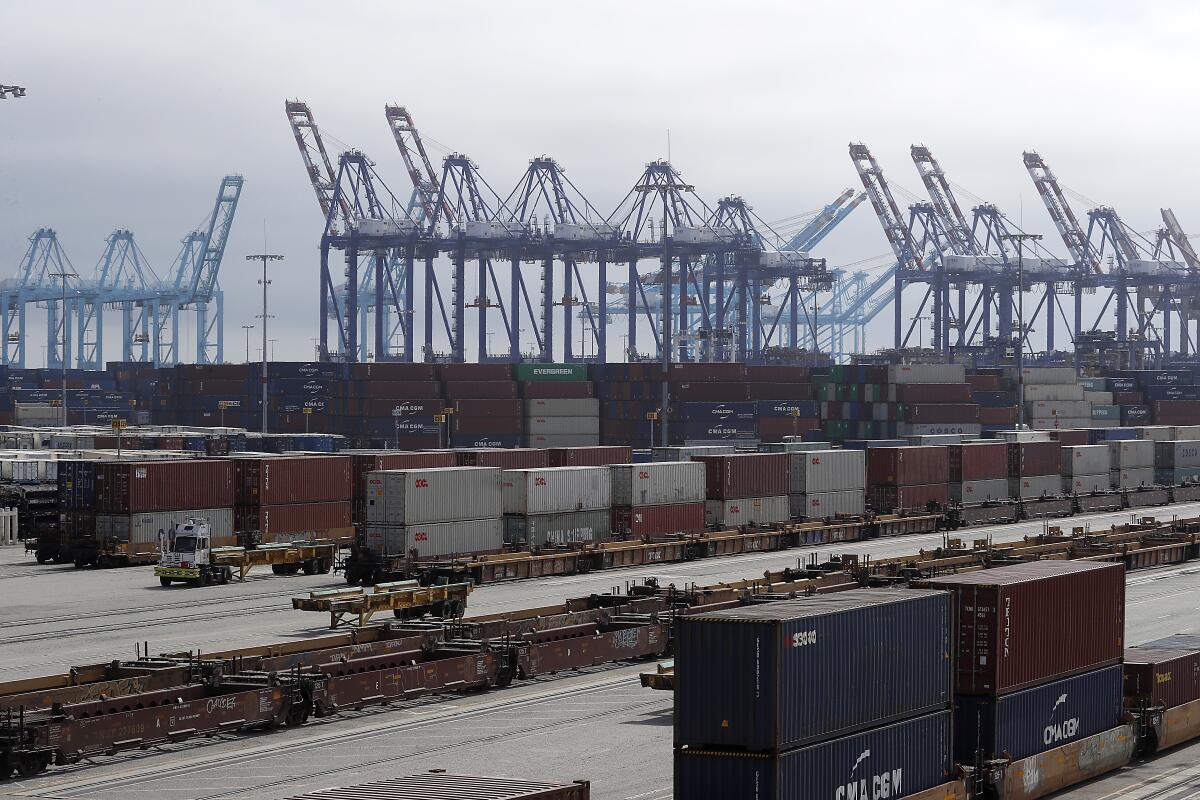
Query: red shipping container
{"points": [[1071, 438], [475, 372], [557, 390], [296, 521], [1176, 412], [704, 373], [998, 415], [773, 429], [933, 393], [293, 479], [731, 477], [656, 520], [711, 392], [1161, 676], [488, 407], [942, 412], [509, 458], [471, 424], [779, 391], [1026, 624], [981, 461], [1127, 398], [1027, 459], [777, 373], [472, 389], [132, 487], [908, 466], [394, 459], [888, 499], [984, 383], [398, 390], [588, 456], [392, 371]]}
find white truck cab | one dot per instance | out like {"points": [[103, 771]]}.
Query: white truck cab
{"points": [[185, 554]]}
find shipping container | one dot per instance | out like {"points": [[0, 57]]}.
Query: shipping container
{"points": [[1036, 457], [487, 407], [785, 674], [1130, 454], [1025, 624], [550, 372], [929, 393], [140, 533], [1032, 487], [1157, 433], [508, 458], [726, 514], [557, 390], [1024, 723], [794, 447], [741, 475], [131, 487], [642, 521], [588, 407], [1132, 478], [819, 505], [907, 466], [977, 461], [419, 496], [1086, 484], [363, 462], [287, 522], [562, 426], [436, 539], [596, 456], [556, 489], [888, 499], [1173, 455], [1091, 459], [1157, 676], [293, 479], [558, 528], [1043, 376], [827, 471], [893, 761], [658, 483], [1185, 432], [1053, 393], [926, 373], [550, 441], [982, 491]]}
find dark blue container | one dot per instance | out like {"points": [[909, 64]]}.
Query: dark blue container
{"points": [[730, 430], [788, 408], [77, 484], [499, 440], [1131, 415], [782, 675], [1025, 723], [643, 456], [1121, 384], [1175, 392], [890, 762], [713, 412]]}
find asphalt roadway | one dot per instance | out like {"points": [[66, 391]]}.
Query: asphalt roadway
{"points": [[597, 724]]}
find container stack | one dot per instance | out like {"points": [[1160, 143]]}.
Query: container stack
{"points": [[746, 489], [567, 422], [487, 411], [1177, 462], [1164, 676], [658, 498], [1033, 468], [294, 498], [557, 505], [1054, 399], [907, 478], [826, 483], [366, 461], [767, 701], [1085, 468], [978, 472], [434, 513], [1037, 652], [1131, 464]]}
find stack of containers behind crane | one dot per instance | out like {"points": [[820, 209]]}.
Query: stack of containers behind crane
{"points": [[1085, 468], [557, 505], [293, 499], [746, 489], [658, 497], [908, 478], [1054, 399], [428, 513], [571, 420], [1034, 461], [486, 409], [769, 705], [1037, 652], [978, 472], [825, 483]]}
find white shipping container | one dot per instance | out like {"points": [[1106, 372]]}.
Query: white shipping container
{"points": [[748, 511], [1085, 459], [936, 439], [1131, 454], [436, 539], [818, 505], [1075, 409], [1061, 424], [1085, 484], [556, 489], [545, 441], [1022, 436], [1047, 375], [1185, 432], [1033, 487], [144, 529], [685, 453], [827, 471], [562, 407], [658, 483], [972, 429], [444, 494], [979, 491], [1157, 433], [1099, 398], [791, 447], [1133, 478], [927, 373], [1054, 392], [562, 426], [1173, 455]]}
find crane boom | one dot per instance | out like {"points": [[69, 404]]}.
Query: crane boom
{"points": [[416, 160], [1060, 212], [897, 233], [204, 275], [316, 159], [944, 202], [1180, 240]]}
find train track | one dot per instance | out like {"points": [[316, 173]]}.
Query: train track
{"points": [[175, 619]]}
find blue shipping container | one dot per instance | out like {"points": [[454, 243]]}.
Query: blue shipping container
{"points": [[788, 408], [785, 674], [889, 762], [708, 413], [1032, 721]]}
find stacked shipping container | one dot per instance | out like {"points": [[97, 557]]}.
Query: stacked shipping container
{"points": [[826, 483], [746, 489], [907, 478], [658, 497], [294, 498], [434, 513], [557, 505]]}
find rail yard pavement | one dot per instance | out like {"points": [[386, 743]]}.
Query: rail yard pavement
{"points": [[1174, 775], [56, 617]]}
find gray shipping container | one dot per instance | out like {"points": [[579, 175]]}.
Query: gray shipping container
{"points": [[436, 539], [818, 505], [972, 429], [1157, 433], [685, 453], [1025, 723], [1071, 409], [980, 491], [890, 762], [1185, 432], [791, 447], [1172, 455], [563, 407], [927, 373], [562, 426], [539, 530], [658, 483], [1053, 392], [1085, 459], [1042, 376], [547, 441], [747, 511], [924, 440], [444, 494], [1085, 484], [1035, 486], [1131, 478], [1178, 476], [827, 471], [144, 528], [786, 674], [1131, 454], [556, 489]]}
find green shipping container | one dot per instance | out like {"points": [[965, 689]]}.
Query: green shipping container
{"points": [[551, 372]]}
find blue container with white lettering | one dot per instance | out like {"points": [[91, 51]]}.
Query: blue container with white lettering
{"points": [[1025, 723], [783, 675]]}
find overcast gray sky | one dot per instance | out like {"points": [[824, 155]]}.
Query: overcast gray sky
{"points": [[136, 109]]}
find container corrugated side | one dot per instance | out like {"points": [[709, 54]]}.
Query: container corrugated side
{"points": [[652, 520], [927, 373], [818, 505], [556, 489], [1088, 459], [687, 453], [907, 466], [1172, 455], [1035, 486], [141, 531], [1156, 676], [567, 407], [977, 461], [658, 483], [405, 497], [745, 475], [979, 491], [445, 786], [1132, 478], [594, 456], [130, 487], [572, 527], [781, 675], [562, 426], [288, 522], [1034, 458], [436, 539], [827, 471], [1025, 624], [1131, 454], [1028, 722], [1086, 484], [894, 761], [747, 511], [510, 458]]}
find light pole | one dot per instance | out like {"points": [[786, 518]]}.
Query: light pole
{"points": [[62, 353], [1020, 239], [247, 329], [264, 258]]}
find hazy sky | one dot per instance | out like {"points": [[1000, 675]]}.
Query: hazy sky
{"points": [[136, 110]]}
